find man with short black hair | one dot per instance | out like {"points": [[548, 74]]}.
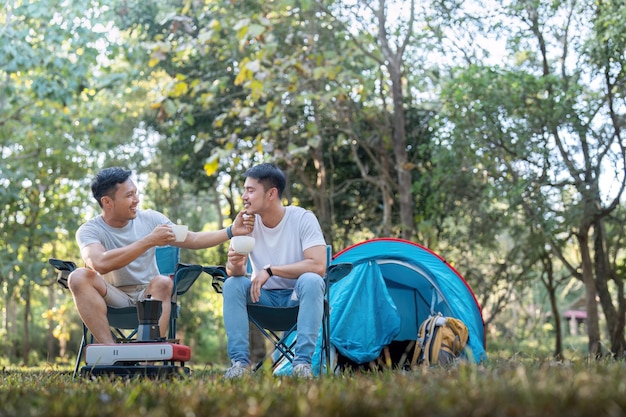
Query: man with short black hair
{"points": [[288, 265]]}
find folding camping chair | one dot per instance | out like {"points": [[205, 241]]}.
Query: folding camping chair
{"points": [[279, 324], [124, 322]]}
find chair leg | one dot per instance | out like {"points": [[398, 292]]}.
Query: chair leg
{"points": [[280, 345], [325, 351], [81, 350], [286, 350], [171, 331]]}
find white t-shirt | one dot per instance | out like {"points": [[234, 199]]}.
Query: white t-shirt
{"points": [[284, 244], [141, 270]]}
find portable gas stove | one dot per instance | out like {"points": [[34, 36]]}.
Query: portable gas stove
{"points": [[149, 355]]}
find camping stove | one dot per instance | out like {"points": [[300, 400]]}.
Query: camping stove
{"points": [[127, 353], [149, 347]]}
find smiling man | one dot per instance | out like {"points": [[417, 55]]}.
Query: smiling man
{"points": [[118, 248], [288, 264]]}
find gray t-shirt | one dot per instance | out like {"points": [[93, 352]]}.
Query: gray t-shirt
{"points": [[141, 270]]}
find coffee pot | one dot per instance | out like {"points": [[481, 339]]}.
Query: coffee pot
{"points": [[149, 312]]}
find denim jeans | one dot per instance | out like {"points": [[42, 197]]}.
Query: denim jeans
{"points": [[309, 293]]}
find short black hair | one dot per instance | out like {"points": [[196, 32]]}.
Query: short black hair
{"points": [[269, 175], [106, 181]]}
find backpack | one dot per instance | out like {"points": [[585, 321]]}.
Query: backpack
{"points": [[440, 341]]}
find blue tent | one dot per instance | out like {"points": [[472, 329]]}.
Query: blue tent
{"points": [[395, 285]]}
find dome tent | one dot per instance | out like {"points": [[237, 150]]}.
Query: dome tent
{"points": [[395, 285]]}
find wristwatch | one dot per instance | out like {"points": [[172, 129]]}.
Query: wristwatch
{"points": [[269, 270]]}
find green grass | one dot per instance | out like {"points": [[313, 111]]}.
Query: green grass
{"points": [[503, 388]]}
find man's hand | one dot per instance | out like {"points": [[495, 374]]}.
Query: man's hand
{"points": [[255, 288], [236, 265], [243, 224], [161, 235]]}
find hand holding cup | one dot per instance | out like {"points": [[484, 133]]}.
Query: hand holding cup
{"points": [[242, 244]]}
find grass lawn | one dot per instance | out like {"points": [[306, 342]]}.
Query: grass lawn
{"points": [[502, 388]]}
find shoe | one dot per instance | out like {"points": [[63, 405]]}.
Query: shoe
{"points": [[237, 370], [302, 370]]}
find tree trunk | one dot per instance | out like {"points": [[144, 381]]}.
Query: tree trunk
{"points": [[50, 340], [558, 345], [614, 320], [25, 325], [405, 183], [551, 288], [8, 323], [394, 64], [320, 194], [593, 326]]}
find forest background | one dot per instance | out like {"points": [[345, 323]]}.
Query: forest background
{"points": [[488, 131]]}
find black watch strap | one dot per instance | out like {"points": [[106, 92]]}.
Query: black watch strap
{"points": [[269, 271]]}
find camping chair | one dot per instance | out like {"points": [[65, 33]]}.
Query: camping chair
{"points": [[124, 322], [279, 324]]}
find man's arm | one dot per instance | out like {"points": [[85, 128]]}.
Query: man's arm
{"points": [[242, 225], [104, 261], [314, 261]]}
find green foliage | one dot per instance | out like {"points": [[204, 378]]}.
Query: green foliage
{"points": [[60, 114], [506, 161], [265, 82]]}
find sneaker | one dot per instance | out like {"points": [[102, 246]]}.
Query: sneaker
{"points": [[237, 370], [302, 370]]}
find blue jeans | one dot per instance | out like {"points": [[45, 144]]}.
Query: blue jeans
{"points": [[309, 290]]}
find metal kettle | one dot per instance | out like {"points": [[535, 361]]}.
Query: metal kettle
{"points": [[149, 312]]}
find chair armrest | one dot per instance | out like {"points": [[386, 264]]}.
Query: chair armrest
{"points": [[184, 277], [338, 271], [186, 274], [219, 276], [64, 268]]}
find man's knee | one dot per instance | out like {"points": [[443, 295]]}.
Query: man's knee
{"points": [[81, 277], [234, 285], [310, 281], [162, 286]]}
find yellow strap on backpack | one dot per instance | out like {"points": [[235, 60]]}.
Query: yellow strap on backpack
{"points": [[425, 342]]}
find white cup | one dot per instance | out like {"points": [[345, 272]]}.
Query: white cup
{"points": [[180, 231], [242, 244]]}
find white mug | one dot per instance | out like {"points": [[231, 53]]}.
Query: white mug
{"points": [[180, 231], [242, 244]]}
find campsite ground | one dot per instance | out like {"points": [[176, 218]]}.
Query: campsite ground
{"points": [[504, 387]]}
